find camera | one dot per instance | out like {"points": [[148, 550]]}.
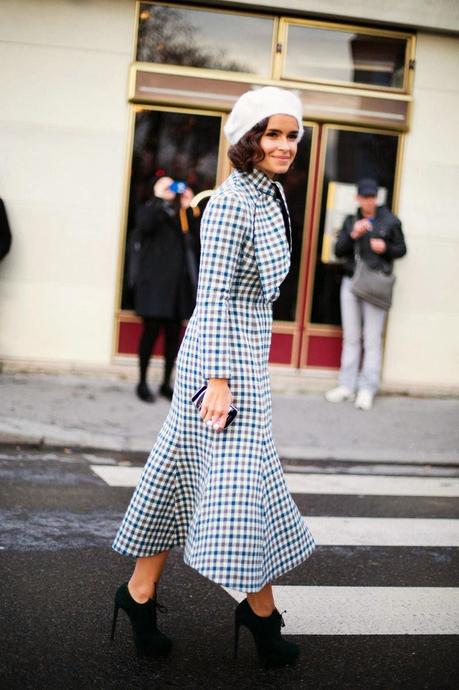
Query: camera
{"points": [[177, 186]]}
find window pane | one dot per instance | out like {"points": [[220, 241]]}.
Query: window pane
{"points": [[197, 38], [183, 146], [342, 56], [350, 156]]}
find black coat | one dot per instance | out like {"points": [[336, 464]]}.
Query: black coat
{"points": [[5, 233], [386, 226], [164, 286]]}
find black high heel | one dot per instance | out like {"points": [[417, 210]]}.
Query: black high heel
{"points": [[147, 638], [272, 649]]}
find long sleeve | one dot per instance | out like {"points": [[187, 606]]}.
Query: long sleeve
{"points": [[345, 244], [223, 229], [396, 247], [147, 216]]}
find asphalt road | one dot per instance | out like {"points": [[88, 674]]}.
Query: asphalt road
{"points": [[59, 575]]}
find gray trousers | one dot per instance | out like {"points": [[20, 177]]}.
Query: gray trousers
{"points": [[359, 318]]}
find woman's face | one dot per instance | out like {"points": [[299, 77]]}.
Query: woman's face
{"points": [[279, 144]]}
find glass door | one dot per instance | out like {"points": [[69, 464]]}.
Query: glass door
{"points": [[288, 309], [183, 144], [320, 189], [347, 154]]}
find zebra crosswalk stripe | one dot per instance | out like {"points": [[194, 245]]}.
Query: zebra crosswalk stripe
{"points": [[369, 531], [367, 610], [372, 485], [322, 483]]}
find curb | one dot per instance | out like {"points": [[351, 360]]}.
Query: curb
{"points": [[44, 435]]}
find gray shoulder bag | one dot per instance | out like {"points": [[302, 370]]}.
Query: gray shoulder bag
{"points": [[372, 285]]}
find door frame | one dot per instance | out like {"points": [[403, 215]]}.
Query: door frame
{"points": [[324, 330]]}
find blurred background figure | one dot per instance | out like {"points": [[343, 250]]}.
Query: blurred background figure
{"points": [[5, 232], [376, 235], [164, 250]]}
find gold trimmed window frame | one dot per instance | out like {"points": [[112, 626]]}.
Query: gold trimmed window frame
{"points": [[353, 116], [280, 46], [407, 86], [216, 10], [214, 90]]}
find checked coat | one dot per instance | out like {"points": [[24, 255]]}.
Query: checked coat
{"points": [[222, 496]]}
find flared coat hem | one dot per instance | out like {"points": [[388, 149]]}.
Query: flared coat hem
{"points": [[229, 583]]}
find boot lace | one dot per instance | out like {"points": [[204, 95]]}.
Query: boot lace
{"points": [[282, 618]]}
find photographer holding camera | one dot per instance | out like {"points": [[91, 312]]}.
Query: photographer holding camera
{"points": [[166, 276]]}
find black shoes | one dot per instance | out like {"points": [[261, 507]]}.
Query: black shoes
{"points": [[166, 391], [144, 393], [272, 649], [149, 641]]}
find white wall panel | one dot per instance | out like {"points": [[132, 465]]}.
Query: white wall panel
{"points": [[63, 133], [422, 345], [425, 14]]}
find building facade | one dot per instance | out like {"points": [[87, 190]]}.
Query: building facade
{"points": [[101, 95]]}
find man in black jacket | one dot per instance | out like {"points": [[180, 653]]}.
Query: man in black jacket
{"points": [[5, 233], [376, 234]]}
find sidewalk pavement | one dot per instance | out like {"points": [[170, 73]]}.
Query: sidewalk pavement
{"points": [[87, 412]]}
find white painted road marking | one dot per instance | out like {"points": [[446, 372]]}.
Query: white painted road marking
{"points": [[371, 485], [348, 484], [340, 531], [378, 531], [367, 610], [118, 476]]}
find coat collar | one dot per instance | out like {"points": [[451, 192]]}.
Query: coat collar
{"points": [[256, 182]]}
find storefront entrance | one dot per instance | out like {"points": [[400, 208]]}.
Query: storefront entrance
{"points": [[176, 128], [320, 190]]}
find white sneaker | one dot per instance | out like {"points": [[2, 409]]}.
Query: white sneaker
{"points": [[364, 400], [339, 394]]}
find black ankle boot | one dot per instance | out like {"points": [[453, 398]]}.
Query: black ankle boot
{"points": [[144, 393], [272, 649], [147, 638], [166, 391]]}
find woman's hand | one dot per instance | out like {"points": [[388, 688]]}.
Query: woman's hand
{"points": [[215, 405]]}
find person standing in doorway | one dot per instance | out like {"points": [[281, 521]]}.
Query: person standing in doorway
{"points": [[376, 234], [220, 492], [166, 279]]}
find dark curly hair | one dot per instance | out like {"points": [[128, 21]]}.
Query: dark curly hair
{"points": [[247, 152]]}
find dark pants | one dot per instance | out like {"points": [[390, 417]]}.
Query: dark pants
{"points": [[151, 328]]}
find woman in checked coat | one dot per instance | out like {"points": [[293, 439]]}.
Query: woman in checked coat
{"points": [[220, 492]]}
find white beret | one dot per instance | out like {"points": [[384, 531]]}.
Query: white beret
{"points": [[253, 106]]}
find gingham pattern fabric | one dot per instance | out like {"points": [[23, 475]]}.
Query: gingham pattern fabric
{"points": [[223, 496]]}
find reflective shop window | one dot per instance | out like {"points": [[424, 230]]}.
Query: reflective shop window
{"points": [[181, 145], [174, 35], [344, 56], [350, 155]]}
